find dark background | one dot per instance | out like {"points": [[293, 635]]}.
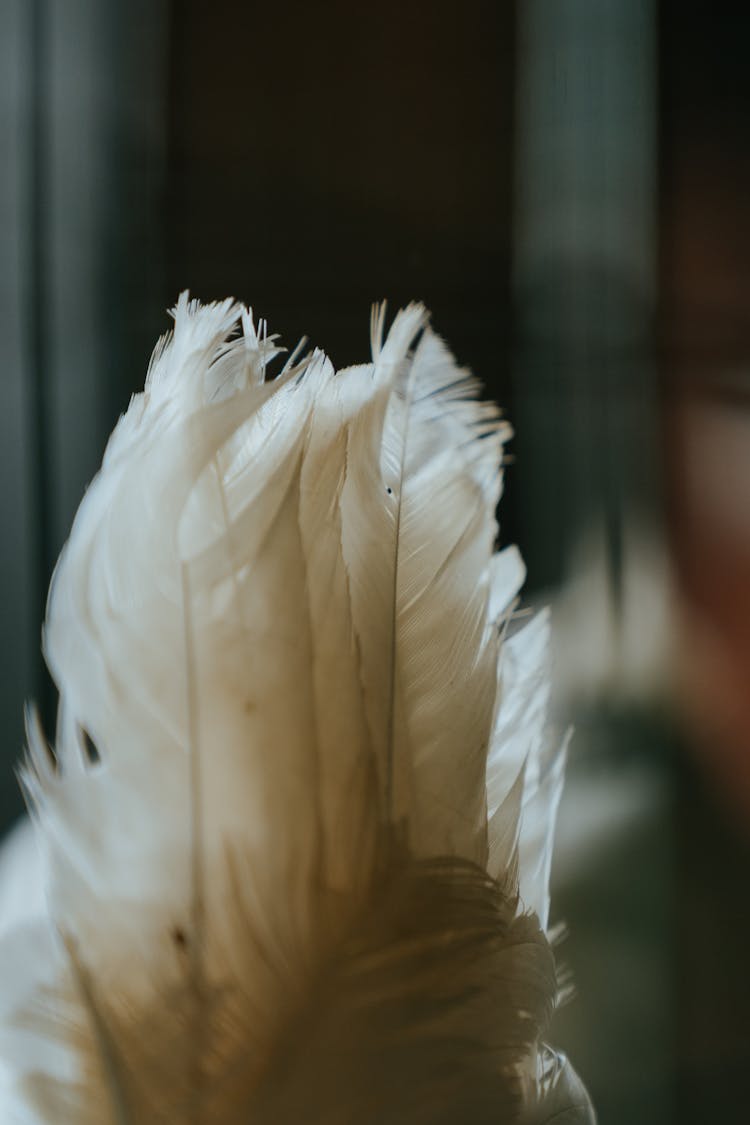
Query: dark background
{"points": [[565, 184]]}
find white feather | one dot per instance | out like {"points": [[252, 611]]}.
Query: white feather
{"points": [[280, 619]]}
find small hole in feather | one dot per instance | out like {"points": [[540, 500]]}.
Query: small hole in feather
{"points": [[179, 937], [389, 490], [90, 749]]}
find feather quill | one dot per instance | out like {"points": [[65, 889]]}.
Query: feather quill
{"points": [[305, 875]]}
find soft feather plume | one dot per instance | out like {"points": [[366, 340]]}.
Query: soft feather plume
{"points": [[304, 877]]}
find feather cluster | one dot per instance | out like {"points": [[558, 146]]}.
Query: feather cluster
{"points": [[297, 824]]}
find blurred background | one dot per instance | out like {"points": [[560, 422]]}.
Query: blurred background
{"points": [[565, 183]]}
